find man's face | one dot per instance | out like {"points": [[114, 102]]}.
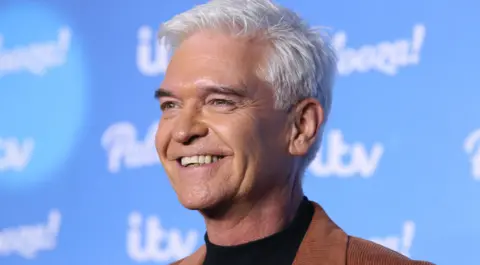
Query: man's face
{"points": [[220, 137]]}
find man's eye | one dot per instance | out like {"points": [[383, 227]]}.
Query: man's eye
{"points": [[167, 105], [221, 102]]}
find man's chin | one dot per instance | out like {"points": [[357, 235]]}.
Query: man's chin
{"points": [[204, 205], [197, 203], [192, 206]]}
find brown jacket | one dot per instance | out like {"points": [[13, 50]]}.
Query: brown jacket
{"points": [[326, 244]]}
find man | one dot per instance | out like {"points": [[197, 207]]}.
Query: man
{"points": [[245, 99]]}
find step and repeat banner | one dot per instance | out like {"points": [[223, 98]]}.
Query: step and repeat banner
{"points": [[80, 182]]}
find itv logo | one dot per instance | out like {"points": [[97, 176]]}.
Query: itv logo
{"points": [[344, 160], [148, 240]]}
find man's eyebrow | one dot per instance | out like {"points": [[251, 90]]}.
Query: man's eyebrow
{"points": [[160, 93], [226, 90], [220, 89]]}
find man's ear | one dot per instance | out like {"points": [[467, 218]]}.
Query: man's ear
{"points": [[307, 118]]}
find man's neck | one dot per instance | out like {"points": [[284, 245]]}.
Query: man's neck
{"points": [[249, 221]]}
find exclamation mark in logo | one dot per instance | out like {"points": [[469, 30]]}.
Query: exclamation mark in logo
{"points": [[419, 33], [407, 239], [472, 147]]}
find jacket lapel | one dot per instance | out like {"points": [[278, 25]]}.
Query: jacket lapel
{"points": [[324, 244]]}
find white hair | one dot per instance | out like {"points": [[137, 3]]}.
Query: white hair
{"points": [[301, 62]]}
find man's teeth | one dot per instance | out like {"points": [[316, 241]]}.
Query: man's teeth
{"points": [[198, 160]]}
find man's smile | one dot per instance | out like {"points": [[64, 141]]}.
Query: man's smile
{"points": [[198, 160]]}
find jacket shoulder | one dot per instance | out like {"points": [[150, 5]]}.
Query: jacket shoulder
{"points": [[364, 252]]}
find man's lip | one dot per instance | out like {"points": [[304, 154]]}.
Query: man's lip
{"points": [[177, 157]]}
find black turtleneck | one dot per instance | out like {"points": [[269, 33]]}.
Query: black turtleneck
{"points": [[277, 249]]}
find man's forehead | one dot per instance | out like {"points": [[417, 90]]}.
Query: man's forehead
{"points": [[201, 71], [207, 61]]}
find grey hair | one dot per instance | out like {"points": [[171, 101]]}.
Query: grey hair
{"points": [[301, 63]]}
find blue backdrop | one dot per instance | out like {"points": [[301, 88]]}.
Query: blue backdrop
{"points": [[80, 182]]}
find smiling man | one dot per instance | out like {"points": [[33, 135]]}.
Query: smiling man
{"points": [[244, 102]]}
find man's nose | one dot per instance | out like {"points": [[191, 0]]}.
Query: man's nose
{"points": [[189, 127]]}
